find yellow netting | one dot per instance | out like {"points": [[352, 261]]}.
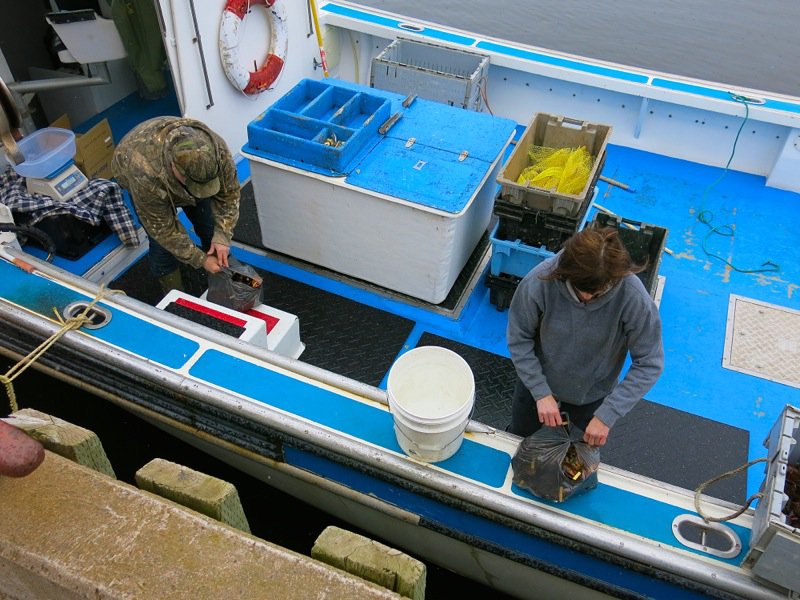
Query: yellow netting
{"points": [[563, 170]]}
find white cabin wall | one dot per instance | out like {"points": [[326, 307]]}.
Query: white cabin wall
{"points": [[350, 53], [224, 108], [651, 125]]}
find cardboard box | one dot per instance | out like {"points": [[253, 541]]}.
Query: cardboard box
{"points": [[93, 149]]}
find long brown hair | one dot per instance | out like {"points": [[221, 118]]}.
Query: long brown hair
{"points": [[593, 260]]}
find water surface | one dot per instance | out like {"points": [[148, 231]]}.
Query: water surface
{"points": [[741, 43]]}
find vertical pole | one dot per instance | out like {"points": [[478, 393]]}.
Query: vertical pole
{"points": [[324, 62]]}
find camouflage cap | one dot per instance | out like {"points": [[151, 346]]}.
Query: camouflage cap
{"points": [[195, 157]]}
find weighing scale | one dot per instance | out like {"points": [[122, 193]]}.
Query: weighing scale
{"points": [[61, 185]]}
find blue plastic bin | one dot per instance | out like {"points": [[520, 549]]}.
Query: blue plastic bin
{"points": [[320, 124], [512, 257]]}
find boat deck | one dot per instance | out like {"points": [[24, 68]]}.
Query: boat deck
{"points": [[700, 420]]}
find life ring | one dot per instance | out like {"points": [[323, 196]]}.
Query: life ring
{"points": [[252, 82]]}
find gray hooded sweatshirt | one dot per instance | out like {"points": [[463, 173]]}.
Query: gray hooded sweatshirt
{"points": [[576, 351]]}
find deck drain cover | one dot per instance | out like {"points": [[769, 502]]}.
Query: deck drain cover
{"points": [[763, 340]]}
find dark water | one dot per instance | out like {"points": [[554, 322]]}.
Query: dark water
{"points": [[130, 443]]}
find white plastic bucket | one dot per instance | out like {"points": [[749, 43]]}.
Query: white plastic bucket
{"points": [[431, 395]]}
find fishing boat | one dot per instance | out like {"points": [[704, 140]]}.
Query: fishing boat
{"points": [[375, 156]]}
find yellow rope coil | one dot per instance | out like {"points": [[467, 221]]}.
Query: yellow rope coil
{"points": [[73, 323]]}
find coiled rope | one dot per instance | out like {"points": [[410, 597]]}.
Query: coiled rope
{"points": [[706, 217], [71, 324]]}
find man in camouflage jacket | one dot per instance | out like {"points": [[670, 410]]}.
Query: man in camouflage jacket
{"points": [[168, 163]]}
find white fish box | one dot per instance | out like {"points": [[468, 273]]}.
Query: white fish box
{"points": [[387, 241], [404, 209]]}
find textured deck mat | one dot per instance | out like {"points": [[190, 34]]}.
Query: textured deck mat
{"points": [[494, 380], [680, 448], [652, 440], [763, 340], [340, 335]]}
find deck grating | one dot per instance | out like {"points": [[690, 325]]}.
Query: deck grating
{"points": [[341, 335], [763, 340]]}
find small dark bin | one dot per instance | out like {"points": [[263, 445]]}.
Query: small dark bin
{"points": [[72, 237], [534, 227], [501, 289], [645, 243]]}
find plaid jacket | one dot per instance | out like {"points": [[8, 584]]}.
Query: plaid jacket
{"points": [[101, 200]]}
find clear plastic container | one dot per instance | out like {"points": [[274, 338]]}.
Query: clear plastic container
{"points": [[45, 151]]}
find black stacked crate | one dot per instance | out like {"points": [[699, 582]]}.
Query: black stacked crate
{"points": [[534, 228]]}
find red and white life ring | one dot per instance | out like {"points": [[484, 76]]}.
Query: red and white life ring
{"points": [[252, 82]]}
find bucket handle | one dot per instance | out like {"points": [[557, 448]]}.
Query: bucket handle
{"points": [[428, 447]]}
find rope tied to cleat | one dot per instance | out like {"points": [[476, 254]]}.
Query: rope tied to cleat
{"points": [[73, 323]]}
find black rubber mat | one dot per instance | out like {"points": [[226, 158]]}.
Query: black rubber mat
{"points": [[137, 282], [248, 229], [494, 380], [652, 440], [680, 448], [341, 335]]}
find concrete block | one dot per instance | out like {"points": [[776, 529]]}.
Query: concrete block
{"points": [[71, 533], [65, 439], [208, 495], [372, 561]]}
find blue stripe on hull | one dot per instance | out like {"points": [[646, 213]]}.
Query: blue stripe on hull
{"points": [[541, 553], [473, 461], [336, 411], [125, 331]]}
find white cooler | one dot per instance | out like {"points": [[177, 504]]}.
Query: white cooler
{"points": [[405, 211]]}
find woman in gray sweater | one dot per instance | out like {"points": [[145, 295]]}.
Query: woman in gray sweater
{"points": [[573, 320]]}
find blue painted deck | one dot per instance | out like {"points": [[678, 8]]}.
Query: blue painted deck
{"points": [[694, 307]]}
